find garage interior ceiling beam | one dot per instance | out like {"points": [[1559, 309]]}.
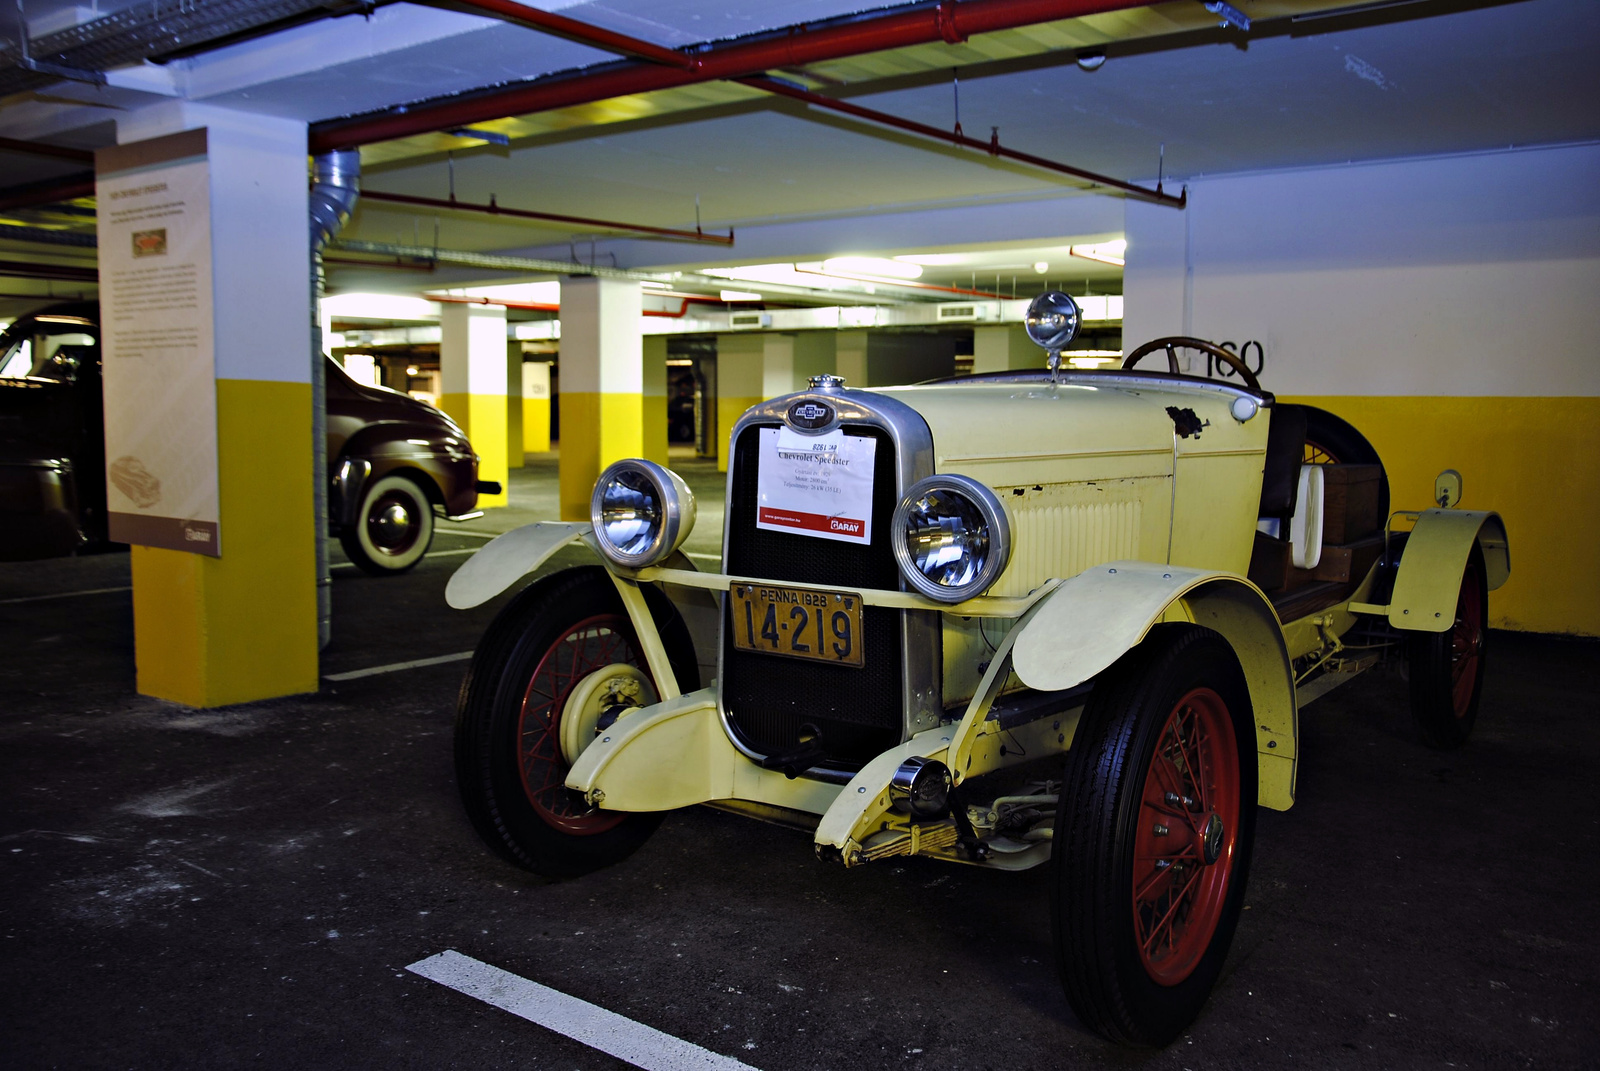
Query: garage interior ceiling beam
{"points": [[955, 137], [495, 209], [946, 21], [39, 148], [569, 29], [59, 272]]}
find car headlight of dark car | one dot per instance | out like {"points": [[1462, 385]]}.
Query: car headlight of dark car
{"points": [[641, 512], [951, 537]]}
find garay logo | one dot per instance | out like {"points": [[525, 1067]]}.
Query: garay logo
{"points": [[810, 416]]}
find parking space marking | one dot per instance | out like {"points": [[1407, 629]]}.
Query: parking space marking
{"points": [[591, 1025], [63, 595], [430, 554], [394, 667]]}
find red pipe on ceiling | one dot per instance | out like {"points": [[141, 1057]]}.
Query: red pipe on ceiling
{"points": [[947, 21], [501, 210]]}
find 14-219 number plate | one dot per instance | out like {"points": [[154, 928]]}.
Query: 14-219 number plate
{"points": [[809, 623]]}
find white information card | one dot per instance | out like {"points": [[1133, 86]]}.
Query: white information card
{"points": [[816, 485]]}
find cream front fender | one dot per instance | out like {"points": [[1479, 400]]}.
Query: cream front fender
{"points": [[676, 754], [1428, 583], [507, 558], [1094, 618]]}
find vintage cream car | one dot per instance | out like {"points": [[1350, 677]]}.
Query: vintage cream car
{"points": [[1052, 617]]}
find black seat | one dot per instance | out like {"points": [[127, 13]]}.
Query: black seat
{"points": [[1286, 445]]}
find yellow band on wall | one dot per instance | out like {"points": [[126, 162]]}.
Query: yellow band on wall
{"points": [[483, 417], [1533, 460], [596, 429], [213, 631]]}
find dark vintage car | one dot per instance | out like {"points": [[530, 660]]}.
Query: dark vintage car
{"points": [[393, 462]]}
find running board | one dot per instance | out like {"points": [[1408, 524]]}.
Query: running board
{"points": [[1330, 679]]}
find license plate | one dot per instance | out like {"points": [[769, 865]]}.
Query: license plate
{"points": [[810, 623]]}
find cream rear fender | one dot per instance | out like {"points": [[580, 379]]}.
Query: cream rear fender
{"points": [[507, 558], [1093, 619], [1428, 582]]}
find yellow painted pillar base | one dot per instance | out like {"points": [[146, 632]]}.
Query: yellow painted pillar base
{"points": [[483, 418], [596, 429], [212, 631], [729, 410], [535, 425]]}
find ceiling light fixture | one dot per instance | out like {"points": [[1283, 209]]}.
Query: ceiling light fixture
{"points": [[892, 269], [1104, 252], [1041, 266], [740, 295], [1091, 59]]}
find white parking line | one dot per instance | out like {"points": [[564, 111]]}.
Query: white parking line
{"points": [[394, 667], [430, 554], [613, 1034], [63, 595]]}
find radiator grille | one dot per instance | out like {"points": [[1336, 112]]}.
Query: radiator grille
{"points": [[769, 697]]}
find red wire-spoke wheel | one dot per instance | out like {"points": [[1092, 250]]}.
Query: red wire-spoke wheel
{"points": [[591, 644], [1187, 828], [1153, 836], [1447, 667], [510, 766]]}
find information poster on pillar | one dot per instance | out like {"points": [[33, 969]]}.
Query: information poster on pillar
{"points": [[157, 344]]}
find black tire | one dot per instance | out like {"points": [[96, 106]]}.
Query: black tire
{"points": [[1333, 440], [547, 828], [393, 529], [1447, 667], [1113, 797]]}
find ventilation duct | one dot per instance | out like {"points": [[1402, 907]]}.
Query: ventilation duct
{"points": [[335, 187]]}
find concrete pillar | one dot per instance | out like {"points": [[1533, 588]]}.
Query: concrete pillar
{"points": [[750, 368], [655, 399], [850, 357], [472, 368], [815, 354], [536, 407], [209, 631], [514, 432], [1002, 348], [602, 379]]}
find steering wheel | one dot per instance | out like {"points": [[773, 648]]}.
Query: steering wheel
{"points": [[1173, 343]]}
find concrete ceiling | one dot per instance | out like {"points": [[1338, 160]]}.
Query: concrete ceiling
{"points": [[1426, 77]]}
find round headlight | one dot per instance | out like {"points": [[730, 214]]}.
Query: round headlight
{"points": [[1052, 320], [641, 512], [951, 537]]}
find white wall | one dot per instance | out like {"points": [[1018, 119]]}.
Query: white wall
{"points": [[1470, 275]]}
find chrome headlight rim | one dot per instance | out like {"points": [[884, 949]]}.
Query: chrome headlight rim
{"points": [[995, 520], [677, 512]]}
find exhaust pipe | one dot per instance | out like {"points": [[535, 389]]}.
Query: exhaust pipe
{"points": [[335, 188]]}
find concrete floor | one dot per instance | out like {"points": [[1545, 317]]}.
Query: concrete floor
{"points": [[245, 886]]}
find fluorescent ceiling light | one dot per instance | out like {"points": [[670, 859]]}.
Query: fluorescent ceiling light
{"points": [[1041, 266], [740, 295], [651, 285], [934, 260], [1104, 252], [892, 269], [543, 293], [379, 307]]}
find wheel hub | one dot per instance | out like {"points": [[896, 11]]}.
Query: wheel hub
{"points": [[1212, 839], [598, 699], [390, 524]]}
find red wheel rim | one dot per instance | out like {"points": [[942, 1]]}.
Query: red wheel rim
{"points": [[589, 645], [1188, 833], [1466, 643]]}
